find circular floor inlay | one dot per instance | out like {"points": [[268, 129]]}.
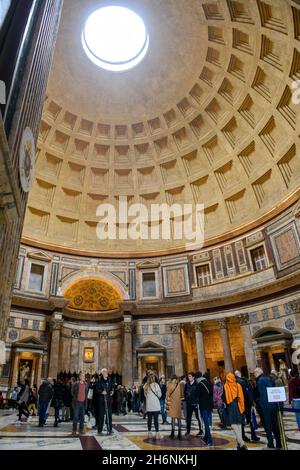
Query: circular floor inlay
{"points": [[115, 38], [185, 442]]}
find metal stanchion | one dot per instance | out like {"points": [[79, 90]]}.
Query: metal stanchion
{"points": [[281, 428]]}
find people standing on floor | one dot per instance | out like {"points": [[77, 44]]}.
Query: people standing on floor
{"points": [[129, 398], [79, 402], [57, 400], [218, 390], [268, 410], [191, 395], [45, 395], [249, 406], [23, 400], [163, 388], [294, 394], [235, 407], [72, 383], [1, 401], [135, 400], [205, 393], [173, 402], [105, 392], [67, 402], [152, 392]]}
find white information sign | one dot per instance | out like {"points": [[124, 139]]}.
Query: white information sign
{"points": [[276, 394]]}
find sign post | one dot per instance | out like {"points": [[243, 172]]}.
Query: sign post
{"points": [[278, 395]]}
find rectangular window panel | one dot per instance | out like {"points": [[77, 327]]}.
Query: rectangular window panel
{"points": [[36, 277], [149, 285], [259, 259], [203, 275]]}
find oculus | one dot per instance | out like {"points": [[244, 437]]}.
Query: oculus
{"points": [[115, 38]]}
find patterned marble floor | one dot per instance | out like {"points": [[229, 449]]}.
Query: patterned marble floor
{"points": [[130, 433]]}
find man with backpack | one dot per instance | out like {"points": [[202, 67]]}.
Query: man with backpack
{"points": [[205, 391]]}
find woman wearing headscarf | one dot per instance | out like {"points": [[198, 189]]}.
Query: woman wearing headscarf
{"points": [[233, 399]]}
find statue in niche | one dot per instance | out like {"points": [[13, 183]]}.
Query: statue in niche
{"points": [[283, 371]]}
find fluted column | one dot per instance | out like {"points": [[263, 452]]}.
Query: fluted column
{"points": [[177, 346], [103, 350], [39, 370], [223, 325], [198, 328], [55, 327], [128, 328], [247, 339]]}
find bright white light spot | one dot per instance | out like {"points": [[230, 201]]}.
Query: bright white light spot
{"points": [[115, 38]]}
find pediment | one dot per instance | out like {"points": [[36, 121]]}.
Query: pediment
{"points": [[151, 345], [30, 341], [148, 265], [39, 255]]}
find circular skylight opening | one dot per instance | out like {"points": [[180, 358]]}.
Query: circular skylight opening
{"points": [[115, 38]]}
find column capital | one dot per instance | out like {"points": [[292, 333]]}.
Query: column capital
{"points": [[175, 329], [294, 306], [56, 324], [223, 324], [103, 335], [128, 327], [244, 319], [76, 334], [198, 326]]}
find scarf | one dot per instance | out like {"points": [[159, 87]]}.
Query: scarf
{"points": [[234, 390]]}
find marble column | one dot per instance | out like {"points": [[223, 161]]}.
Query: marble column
{"points": [[74, 350], [247, 339], [198, 328], [140, 370], [103, 350], [15, 369], [177, 347], [128, 328], [55, 326], [39, 370], [223, 325]]}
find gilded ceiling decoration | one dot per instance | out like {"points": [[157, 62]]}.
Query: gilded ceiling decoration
{"points": [[92, 295], [207, 117]]}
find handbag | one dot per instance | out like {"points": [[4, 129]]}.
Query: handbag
{"points": [[168, 399], [90, 394], [253, 419]]}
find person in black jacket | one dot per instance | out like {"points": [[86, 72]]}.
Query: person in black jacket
{"points": [[249, 404], [105, 392], [67, 402], [163, 387], [57, 399], [205, 391], [191, 395], [45, 395]]}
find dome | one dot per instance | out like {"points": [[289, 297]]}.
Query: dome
{"points": [[198, 121]]}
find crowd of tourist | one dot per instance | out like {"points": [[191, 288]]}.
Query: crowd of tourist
{"points": [[238, 401]]}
